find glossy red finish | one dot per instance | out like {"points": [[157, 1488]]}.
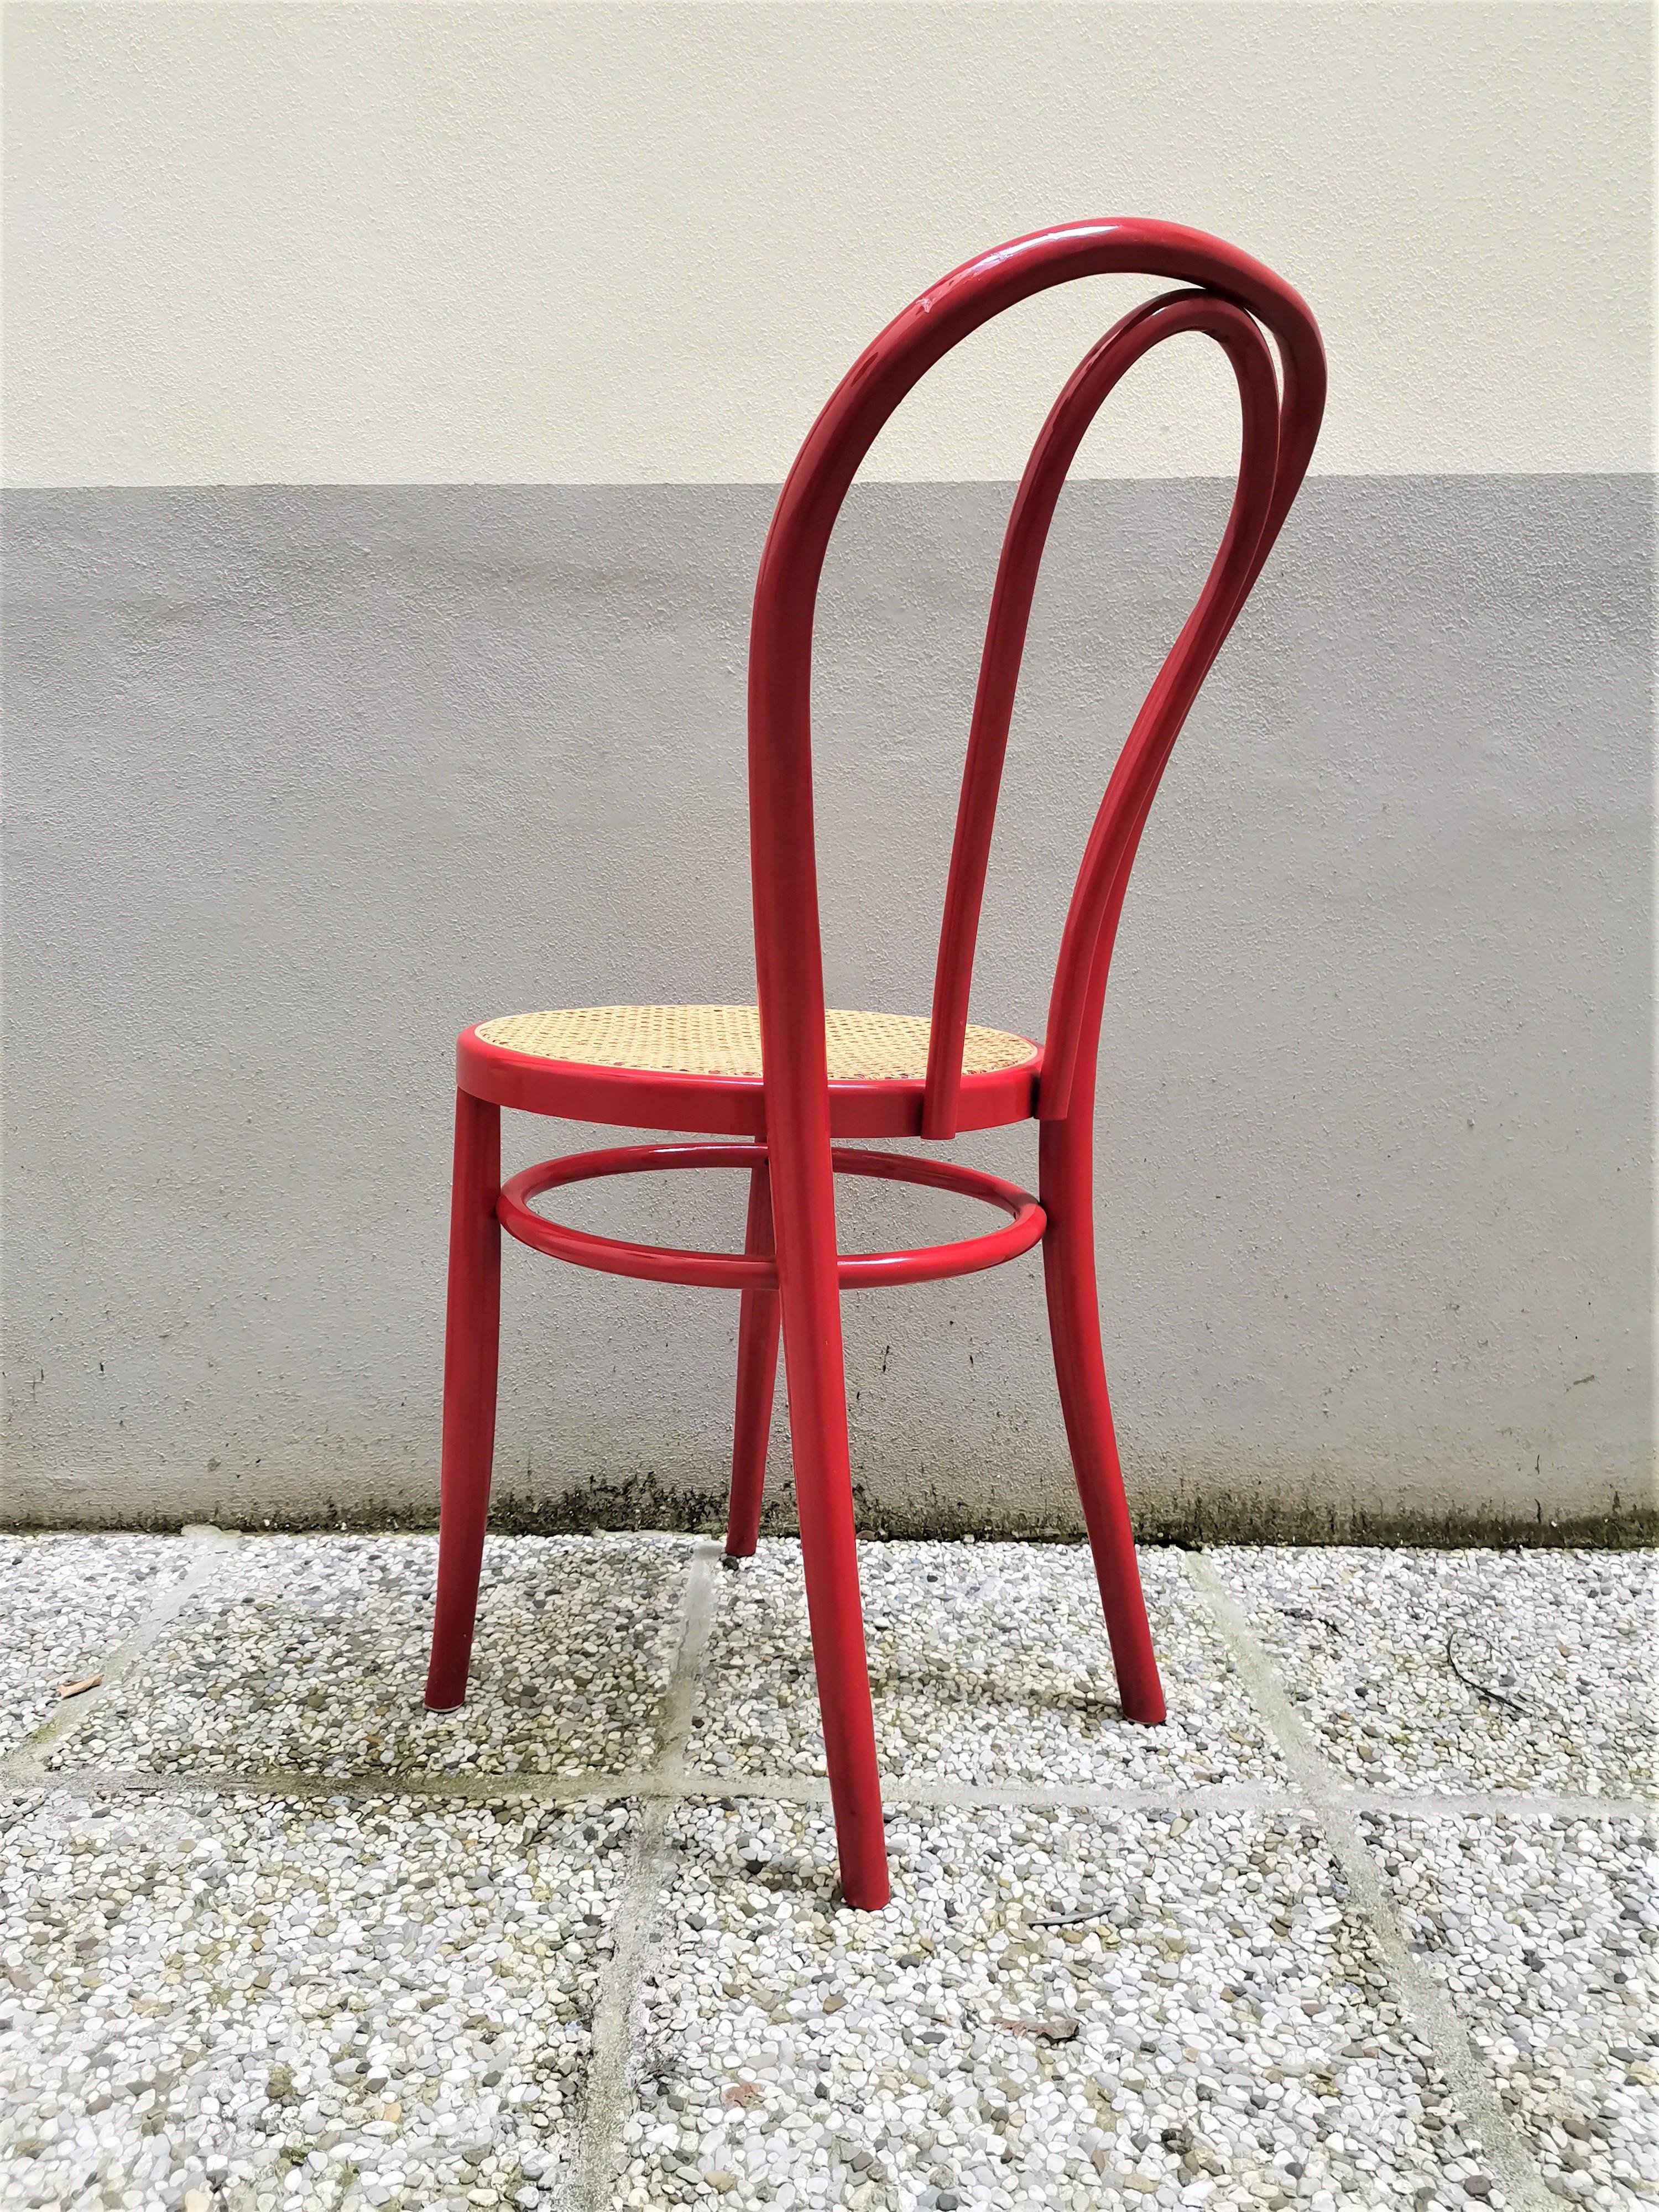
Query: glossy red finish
{"points": [[1135, 777], [792, 1270], [1066, 1169], [757, 1371], [752, 1270], [470, 1342]]}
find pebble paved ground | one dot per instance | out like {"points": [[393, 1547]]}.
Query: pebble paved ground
{"points": [[1370, 1923]]}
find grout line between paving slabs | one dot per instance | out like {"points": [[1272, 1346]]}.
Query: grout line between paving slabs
{"points": [[1425, 2005], [23, 1764], [599, 2149], [694, 1786]]}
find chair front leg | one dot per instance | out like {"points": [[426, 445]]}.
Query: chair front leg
{"points": [[757, 1368], [471, 1344], [1066, 1155]]}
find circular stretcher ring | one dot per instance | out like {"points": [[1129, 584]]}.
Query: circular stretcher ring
{"points": [[858, 1271]]}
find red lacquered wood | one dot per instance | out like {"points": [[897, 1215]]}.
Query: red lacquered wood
{"points": [[1026, 537], [757, 1370], [615, 1256], [795, 1112], [471, 1338], [750, 1271], [824, 1508], [935, 1263], [724, 1105], [788, 957], [1066, 1176], [780, 645]]}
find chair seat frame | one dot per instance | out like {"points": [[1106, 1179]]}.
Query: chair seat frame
{"points": [[791, 1272]]}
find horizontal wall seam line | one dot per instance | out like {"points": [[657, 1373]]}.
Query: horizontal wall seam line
{"points": [[774, 485]]}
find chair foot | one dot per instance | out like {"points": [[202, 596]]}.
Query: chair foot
{"points": [[734, 1560], [868, 1892], [433, 1705]]}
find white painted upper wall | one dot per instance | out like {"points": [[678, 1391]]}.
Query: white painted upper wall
{"points": [[578, 242]]}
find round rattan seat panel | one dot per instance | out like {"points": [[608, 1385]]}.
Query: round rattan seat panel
{"points": [[726, 1040]]}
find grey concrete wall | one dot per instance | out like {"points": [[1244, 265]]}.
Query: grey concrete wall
{"points": [[302, 779]]}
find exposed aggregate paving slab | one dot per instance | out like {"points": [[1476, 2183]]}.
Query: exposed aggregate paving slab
{"points": [[296, 2002], [312, 1656], [1368, 1643], [256, 1953], [989, 1662], [1233, 2027], [1547, 1936], [66, 1602]]}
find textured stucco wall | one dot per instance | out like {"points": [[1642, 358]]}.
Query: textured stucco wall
{"points": [[1374, 1120], [639, 244], [395, 399]]}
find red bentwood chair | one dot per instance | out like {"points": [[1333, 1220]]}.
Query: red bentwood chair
{"points": [[793, 1080]]}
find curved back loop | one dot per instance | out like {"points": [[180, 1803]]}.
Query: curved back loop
{"points": [[1235, 292]]}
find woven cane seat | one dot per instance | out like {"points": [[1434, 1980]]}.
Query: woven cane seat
{"points": [[726, 1040]]}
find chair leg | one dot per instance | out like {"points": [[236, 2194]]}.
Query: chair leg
{"points": [[804, 1198], [472, 1344], [757, 1369], [1067, 1186]]}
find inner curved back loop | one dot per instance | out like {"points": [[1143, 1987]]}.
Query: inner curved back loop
{"points": [[1023, 546], [1279, 431]]}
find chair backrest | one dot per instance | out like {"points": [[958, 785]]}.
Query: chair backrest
{"points": [[1234, 295]]}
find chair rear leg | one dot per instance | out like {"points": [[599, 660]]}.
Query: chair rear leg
{"points": [[1067, 1186], [757, 1369], [804, 1196], [471, 1344]]}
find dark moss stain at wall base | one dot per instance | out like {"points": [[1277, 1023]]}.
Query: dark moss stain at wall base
{"points": [[647, 1504]]}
